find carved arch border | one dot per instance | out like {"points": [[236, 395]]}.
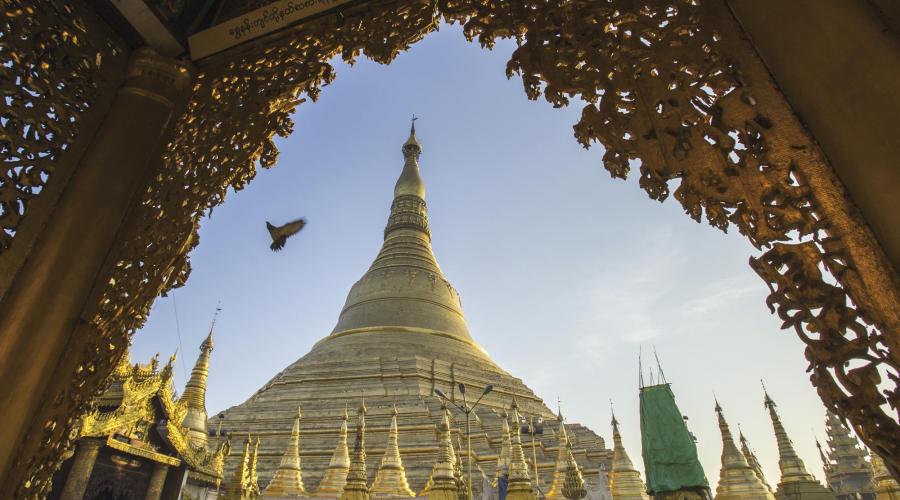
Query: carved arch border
{"points": [[671, 86]]}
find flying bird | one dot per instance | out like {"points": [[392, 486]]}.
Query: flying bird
{"points": [[280, 234]]}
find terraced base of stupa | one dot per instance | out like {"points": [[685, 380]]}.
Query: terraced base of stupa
{"points": [[323, 389]]}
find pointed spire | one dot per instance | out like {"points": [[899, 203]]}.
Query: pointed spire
{"points": [[195, 392], [792, 467], [405, 272], [624, 480], [562, 462], [847, 471], [357, 479], [794, 477], [519, 479], [573, 486], [390, 480], [443, 481], [737, 479], [753, 462], [288, 478], [332, 484]]}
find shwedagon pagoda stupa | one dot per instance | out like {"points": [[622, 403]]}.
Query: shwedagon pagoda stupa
{"points": [[401, 335]]}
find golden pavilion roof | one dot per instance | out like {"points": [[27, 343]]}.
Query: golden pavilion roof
{"points": [[144, 399]]}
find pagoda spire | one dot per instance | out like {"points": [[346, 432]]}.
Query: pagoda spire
{"points": [[573, 486], [737, 479], [357, 480], [442, 483], [519, 480], [332, 484], [792, 467], [390, 480], [795, 481], [195, 392], [752, 461], [847, 471], [405, 275], [624, 480], [562, 460], [239, 487], [288, 479]]}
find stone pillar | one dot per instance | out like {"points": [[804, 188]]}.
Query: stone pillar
{"points": [[52, 293], [157, 481], [82, 466]]}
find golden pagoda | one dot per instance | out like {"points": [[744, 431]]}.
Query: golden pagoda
{"points": [[332, 484], [390, 480], [400, 335], [443, 481], [624, 480], [562, 461], [737, 479], [795, 483], [288, 479], [753, 462], [883, 483], [519, 480], [847, 472], [357, 480]]}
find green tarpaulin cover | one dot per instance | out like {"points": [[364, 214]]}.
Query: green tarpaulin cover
{"points": [[670, 455]]}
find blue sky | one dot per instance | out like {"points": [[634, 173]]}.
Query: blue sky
{"points": [[564, 272]]}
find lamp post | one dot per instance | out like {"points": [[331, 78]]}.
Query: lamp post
{"points": [[465, 408]]}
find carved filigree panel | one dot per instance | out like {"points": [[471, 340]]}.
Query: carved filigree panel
{"points": [[51, 57]]}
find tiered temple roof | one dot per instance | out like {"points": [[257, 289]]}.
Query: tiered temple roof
{"points": [[848, 473]]}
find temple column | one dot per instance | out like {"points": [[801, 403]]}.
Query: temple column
{"points": [[53, 291], [157, 481], [82, 466]]}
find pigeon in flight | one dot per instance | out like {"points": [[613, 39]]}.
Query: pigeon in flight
{"points": [[280, 234]]}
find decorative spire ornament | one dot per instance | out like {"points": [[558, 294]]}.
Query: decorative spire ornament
{"points": [[519, 480], [737, 479], [357, 481], [559, 474], [847, 471], [795, 481], [332, 484], [195, 393], [573, 485], [624, 480], [752, 461], [288, 479], [443, 480], [390, 480]]}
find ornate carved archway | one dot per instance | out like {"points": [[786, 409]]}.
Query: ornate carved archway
{"points": [[671, 86]]}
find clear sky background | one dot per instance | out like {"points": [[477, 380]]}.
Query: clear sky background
{"points": [[564, 272]]}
